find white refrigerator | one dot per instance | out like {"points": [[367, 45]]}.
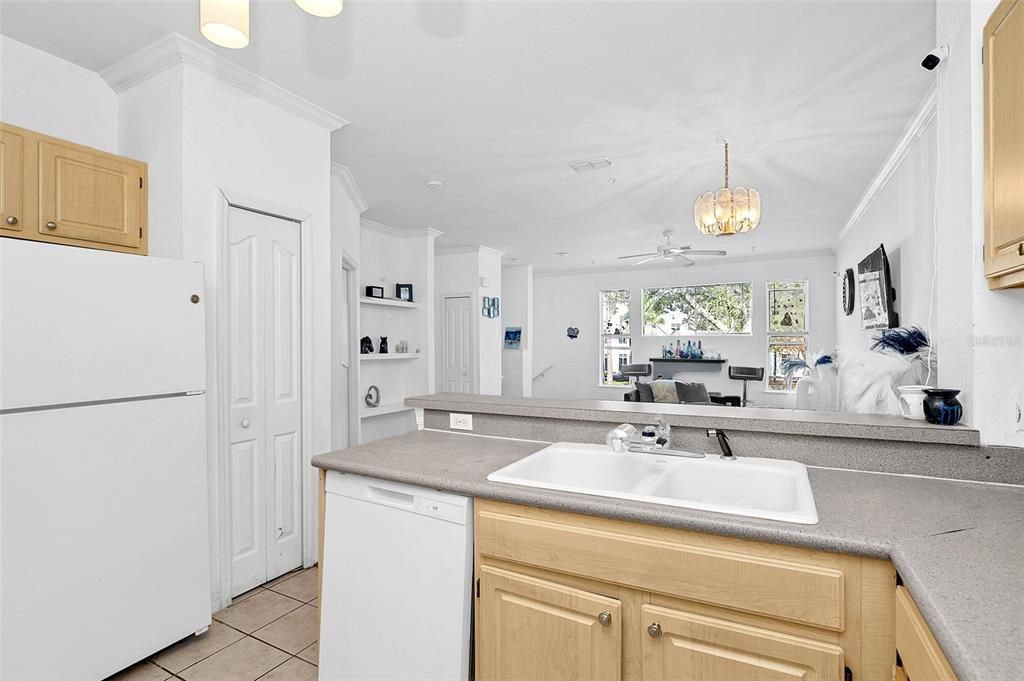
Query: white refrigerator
{"points": [[104, 550]]}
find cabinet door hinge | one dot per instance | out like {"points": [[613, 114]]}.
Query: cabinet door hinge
{"points": [[847, 674], [478, 587]]}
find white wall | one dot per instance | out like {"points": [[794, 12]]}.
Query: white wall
{"points": [[517, 310], [462, 272], [900, 217], [47, 94], [571, 367], [230, 140], [980, 332]]}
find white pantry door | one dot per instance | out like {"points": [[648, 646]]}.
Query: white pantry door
{"points": [[458, 355], [265, 462]]}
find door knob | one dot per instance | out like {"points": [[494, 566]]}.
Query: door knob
{"points": [[11, 220], [654, 631], [245, 423], [605, 618], [51, 225]]}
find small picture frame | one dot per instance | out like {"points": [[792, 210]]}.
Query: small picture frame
{"points": [[374, 291], [403, 292]]}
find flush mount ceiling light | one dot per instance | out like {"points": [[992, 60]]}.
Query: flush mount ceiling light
{"points": [[321, 8], [727, 211], [225, 22]]}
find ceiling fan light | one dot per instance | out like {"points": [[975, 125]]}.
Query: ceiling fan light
{"points": [[225, 22], [321, 8]]}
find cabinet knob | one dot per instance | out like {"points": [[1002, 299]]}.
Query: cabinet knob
{"points": [[605, 618], [654, 631], [51, 225], [11, 220], [245, 423]]}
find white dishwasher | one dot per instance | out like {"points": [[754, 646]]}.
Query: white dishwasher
{"points": [[397, 582]]}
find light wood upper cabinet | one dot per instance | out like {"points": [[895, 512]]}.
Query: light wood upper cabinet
{"points": [[74, 195], [545, 630], [12, 178], [684, 645], [1004, 145]]}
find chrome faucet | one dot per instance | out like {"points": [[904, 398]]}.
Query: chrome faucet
{"points": [[723, 442], [648, 440]]}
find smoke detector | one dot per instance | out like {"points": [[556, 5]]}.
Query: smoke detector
{"points": [[435, 184], [590, 165]]}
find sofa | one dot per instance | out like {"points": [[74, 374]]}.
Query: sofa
{"points": [[667, 391]]}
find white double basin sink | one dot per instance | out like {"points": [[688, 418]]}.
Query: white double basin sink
{"points": [[772, 489]]}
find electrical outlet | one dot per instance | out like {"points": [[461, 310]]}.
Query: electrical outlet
{"points": [[460, 421]]}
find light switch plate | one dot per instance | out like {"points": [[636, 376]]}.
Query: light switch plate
{"points": [[460, 421]]}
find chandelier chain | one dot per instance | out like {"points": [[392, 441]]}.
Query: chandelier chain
{"points": [[726, 165]]}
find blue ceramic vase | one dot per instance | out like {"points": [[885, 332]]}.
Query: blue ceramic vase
{"points": [[942, 407]]}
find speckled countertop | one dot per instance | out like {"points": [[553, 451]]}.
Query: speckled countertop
{"points": [[959, 546]]}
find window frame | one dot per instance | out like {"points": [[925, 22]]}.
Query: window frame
{"points": [[604, 351], [771, 335], [693, 334]]}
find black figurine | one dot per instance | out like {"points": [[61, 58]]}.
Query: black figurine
{"points": [[365, 345], [383, 345]]}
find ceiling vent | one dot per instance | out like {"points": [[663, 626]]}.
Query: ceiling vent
{"points": [[590, 164]]}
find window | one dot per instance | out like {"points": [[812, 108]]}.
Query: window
{"points": [[787, 334], [713, 309], [615, 339]]}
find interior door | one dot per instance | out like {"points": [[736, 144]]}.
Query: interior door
{"points": [[343, 436], [458, 355], [542, 630], [265, 393], [683, 645]]}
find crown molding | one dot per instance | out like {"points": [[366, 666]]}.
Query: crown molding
{"points": [[916, 127], [176, 49], [381, 228], [711, 262], [458, 250], [348, 183]]}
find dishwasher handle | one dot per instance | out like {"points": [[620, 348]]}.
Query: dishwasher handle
{"points": [[389, 496]]}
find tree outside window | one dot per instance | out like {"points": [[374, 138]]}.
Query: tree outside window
{"points": [[713, 309]]}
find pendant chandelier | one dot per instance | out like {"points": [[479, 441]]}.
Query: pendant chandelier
{"points": [[727, 211], [226, 22]]}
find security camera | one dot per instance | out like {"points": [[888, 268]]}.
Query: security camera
{"points": [[935, 57]]}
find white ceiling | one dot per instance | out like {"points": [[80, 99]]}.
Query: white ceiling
{"points": [[496, 98]]}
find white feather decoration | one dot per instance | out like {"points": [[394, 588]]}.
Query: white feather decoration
{"points": [[868, 379]]}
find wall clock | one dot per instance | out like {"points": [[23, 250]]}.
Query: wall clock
{"points": [[849, 289]]}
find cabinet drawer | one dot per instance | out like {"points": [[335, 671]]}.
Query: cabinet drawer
{"points": [[683, 645], [771, 581], [922, 658]]}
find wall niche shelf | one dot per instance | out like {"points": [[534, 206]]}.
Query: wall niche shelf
{"points": [[690, 361], [390, 356], [383, 410], [388, 302]]}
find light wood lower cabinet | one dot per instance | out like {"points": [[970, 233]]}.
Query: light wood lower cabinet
{"points": [[680, 605], [547, 630], [920, 658], [682, 645], [56, 191]]}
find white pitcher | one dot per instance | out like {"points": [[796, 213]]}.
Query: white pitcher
{"points": [[912, 401]]}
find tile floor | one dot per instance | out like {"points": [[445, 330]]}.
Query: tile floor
{"points": [[269, 633]]}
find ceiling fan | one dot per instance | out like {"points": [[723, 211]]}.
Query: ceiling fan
{"points": [[670, 252]]}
